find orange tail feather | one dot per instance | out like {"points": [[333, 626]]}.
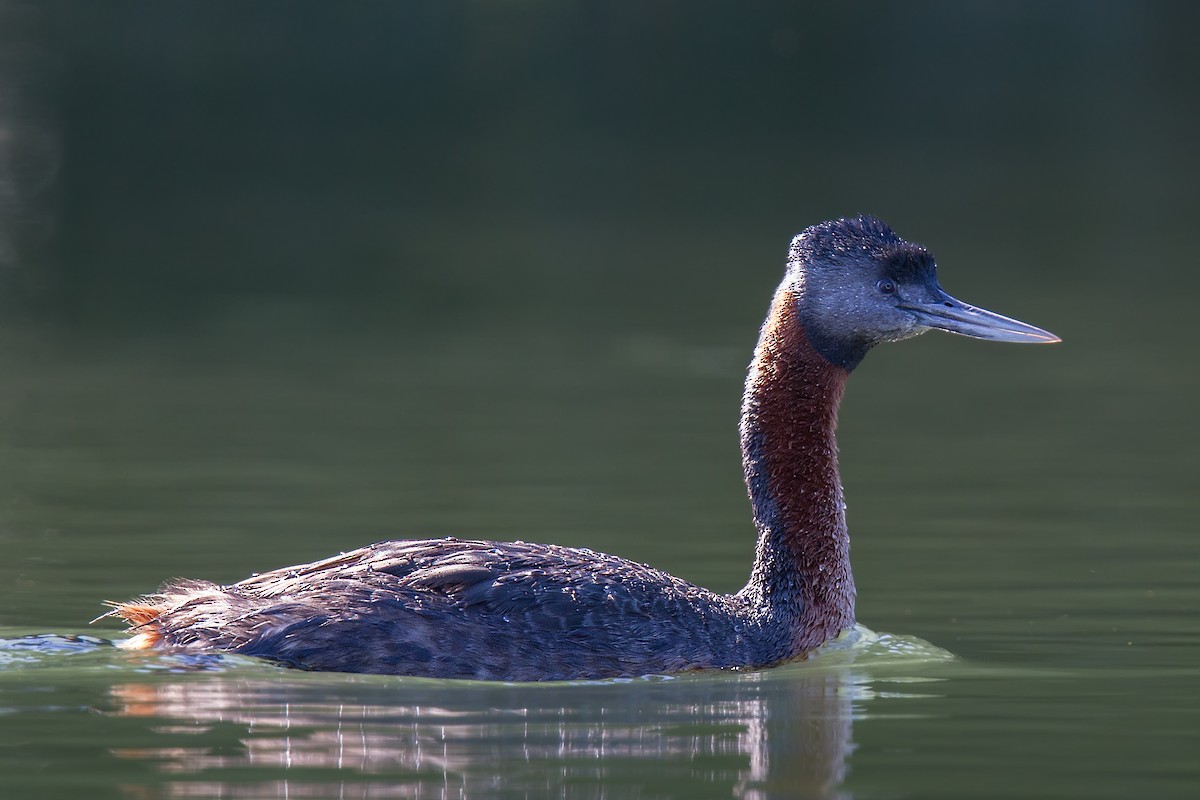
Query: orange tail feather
{"points": [[142, 619]]}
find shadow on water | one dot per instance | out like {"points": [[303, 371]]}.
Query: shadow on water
{"points": [[235, 728]]}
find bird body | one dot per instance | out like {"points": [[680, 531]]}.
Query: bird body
{"points": [[453, 608]]}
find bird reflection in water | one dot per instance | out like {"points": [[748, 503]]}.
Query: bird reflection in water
{"points": [[783, 733]]}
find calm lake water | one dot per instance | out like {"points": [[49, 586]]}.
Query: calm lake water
{"points": [[1031, 585]]}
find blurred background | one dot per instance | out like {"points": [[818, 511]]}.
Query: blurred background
{"points": [[165, 161], [279, 279], [284, 278]]}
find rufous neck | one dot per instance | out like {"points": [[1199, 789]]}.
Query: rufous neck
{"points": [[789, 452]]}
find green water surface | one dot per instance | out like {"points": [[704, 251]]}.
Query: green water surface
{"points": [[279, 280], [1041, 636]]}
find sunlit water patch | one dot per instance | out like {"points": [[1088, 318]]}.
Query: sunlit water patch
{"points": [[78, 654]]}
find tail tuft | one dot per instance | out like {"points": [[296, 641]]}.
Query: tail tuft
{"points": [[143, 621]]}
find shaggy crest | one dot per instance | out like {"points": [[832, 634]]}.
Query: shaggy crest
{"points": [[853, 239]]}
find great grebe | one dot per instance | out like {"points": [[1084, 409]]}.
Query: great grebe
{"points": [[450, 608]]}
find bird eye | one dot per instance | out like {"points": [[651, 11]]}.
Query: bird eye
{"points": [[886, 286]]}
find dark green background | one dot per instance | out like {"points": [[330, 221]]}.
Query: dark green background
{"points": [[281, 279], [452, 154]]}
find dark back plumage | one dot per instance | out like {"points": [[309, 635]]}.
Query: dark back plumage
{"points": [[466, 609]]}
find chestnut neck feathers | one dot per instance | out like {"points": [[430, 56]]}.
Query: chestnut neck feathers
{"points": [[789, 452]]}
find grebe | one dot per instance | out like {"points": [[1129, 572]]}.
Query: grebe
{"points": [[449, 608]]}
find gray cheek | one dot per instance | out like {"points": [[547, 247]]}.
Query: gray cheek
{"points": [[906, 328]]}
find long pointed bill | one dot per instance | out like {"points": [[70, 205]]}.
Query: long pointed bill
{"points": [[948, 314]]}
